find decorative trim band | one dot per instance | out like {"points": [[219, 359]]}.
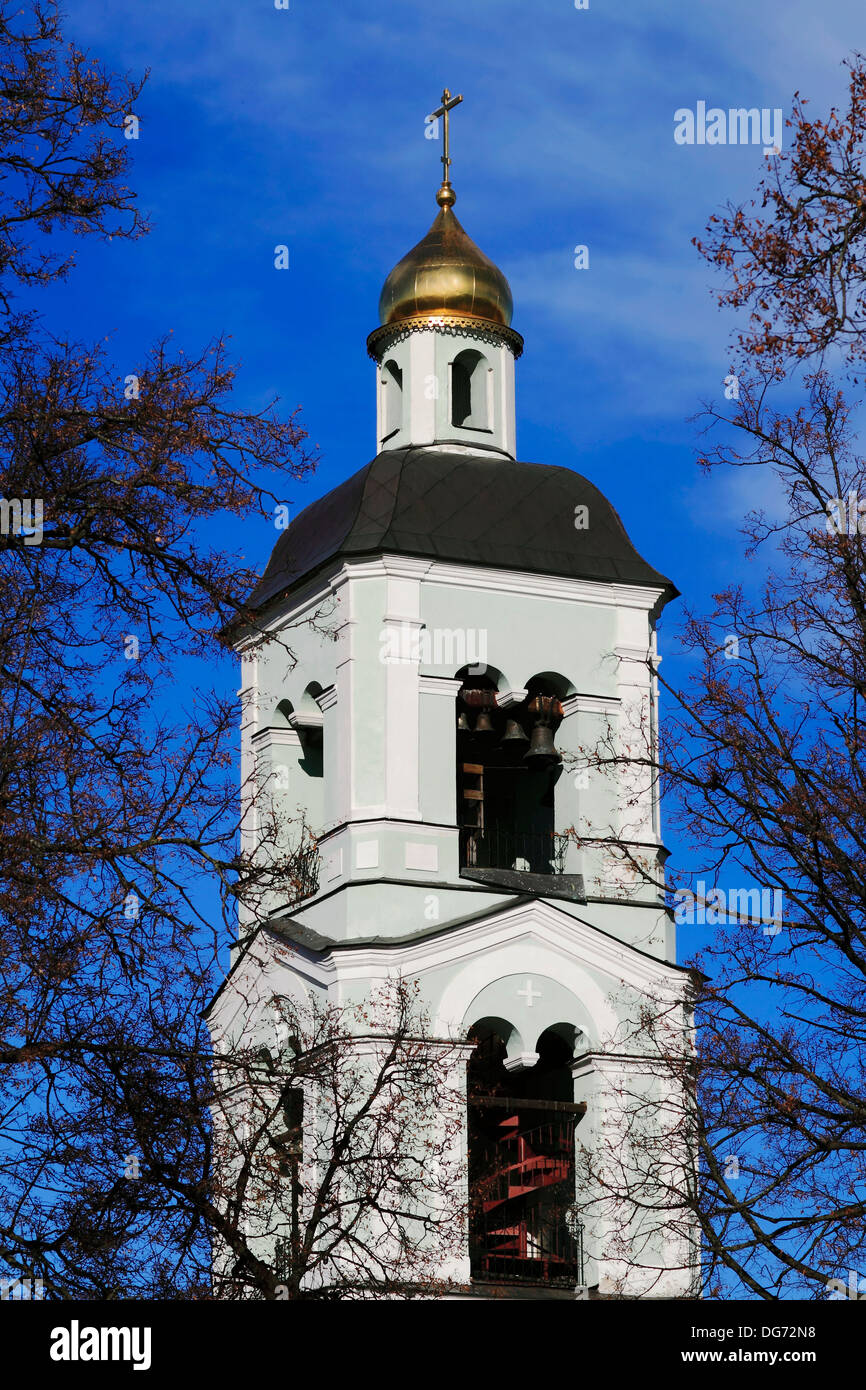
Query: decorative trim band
{"points": [[458, 324]]}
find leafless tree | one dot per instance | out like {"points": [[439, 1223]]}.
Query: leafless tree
{"points": [[762, 753]]}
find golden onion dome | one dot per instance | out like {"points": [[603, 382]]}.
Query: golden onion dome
{"points": [[446, 274]]}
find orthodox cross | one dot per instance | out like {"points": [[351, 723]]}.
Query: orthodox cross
{"points": [[448, 101]]}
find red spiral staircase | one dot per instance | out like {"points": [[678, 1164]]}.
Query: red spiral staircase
{"points": [[523, 1189]]}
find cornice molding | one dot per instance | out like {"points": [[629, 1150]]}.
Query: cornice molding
{"points": [[575, 938], [521, 582], [327, 698], [591, 704], [307, 720], [505, 699], [632, 652], [277, 736], [612, 1064], [405, 566], [327, 583], [439, 685]]}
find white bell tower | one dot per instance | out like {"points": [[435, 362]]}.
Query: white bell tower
{"points": [[432, 732]]}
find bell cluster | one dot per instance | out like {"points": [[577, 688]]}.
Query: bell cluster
{"points": [[530, 725]]}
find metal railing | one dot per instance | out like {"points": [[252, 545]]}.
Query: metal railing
{"points": [[303, 872], [575, 1227], [499, 847], [282, 1262]]}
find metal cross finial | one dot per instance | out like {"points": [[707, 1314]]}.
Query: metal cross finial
{"points": [[448, 101]]}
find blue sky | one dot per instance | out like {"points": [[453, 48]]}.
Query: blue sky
{"points": [[306, 126]]}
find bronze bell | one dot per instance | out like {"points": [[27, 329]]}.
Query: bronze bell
{"points": [[484, 724], [514, 732], [462, 723], [541, 751]]}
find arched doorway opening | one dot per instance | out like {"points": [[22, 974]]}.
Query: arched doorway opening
{"points": [[520, 1124]]}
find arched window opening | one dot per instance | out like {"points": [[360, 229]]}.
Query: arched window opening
{"points": [[471, 385], [524, 1225], [392, 388], [309, 723], [507, 769], [283, 715], [289, 1140], [296, 786]]}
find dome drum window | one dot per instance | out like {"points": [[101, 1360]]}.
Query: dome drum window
{"points": [[471, 391], [392, 389]]}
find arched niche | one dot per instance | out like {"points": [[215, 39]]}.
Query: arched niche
{"points": [[277, 716], [282, 715], [392, 389], [496, 1037], [551, 683], [471, 390], [485, 674], [572, 1036], [551, 1077], [308, 707], [309, 722], [560, 988]]}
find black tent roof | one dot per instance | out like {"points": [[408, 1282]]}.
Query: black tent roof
{"points": [[477, 508]]}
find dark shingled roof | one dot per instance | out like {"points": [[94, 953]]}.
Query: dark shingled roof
{"points": [[476, 508]]}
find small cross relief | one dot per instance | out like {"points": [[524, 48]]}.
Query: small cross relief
{"points": [[529, 994]]}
